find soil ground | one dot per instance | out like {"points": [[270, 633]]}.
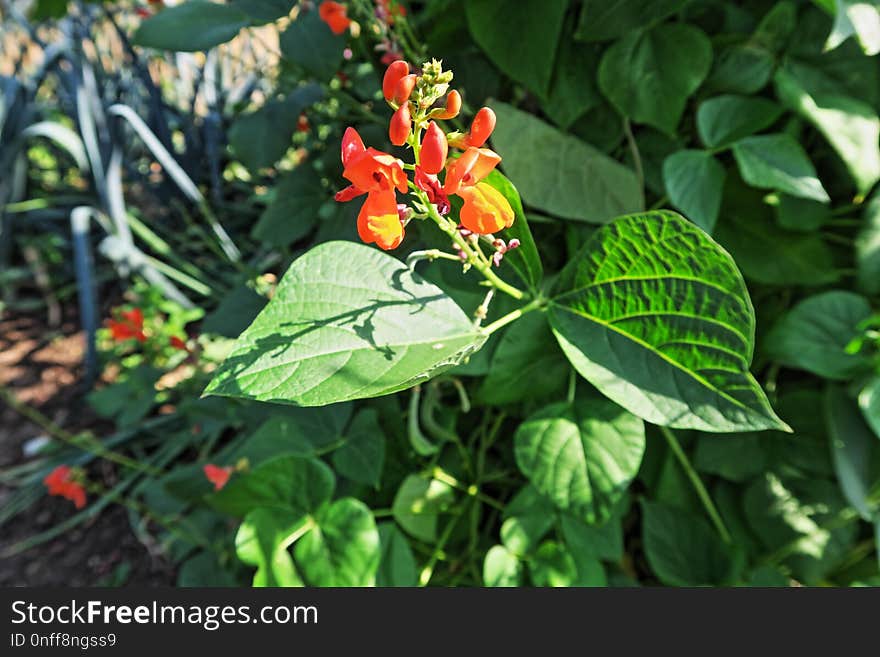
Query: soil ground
{"points": [[42, 368]]}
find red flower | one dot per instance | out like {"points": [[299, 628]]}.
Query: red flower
{"points": [[177, 343], [434, 149], [481, 128], [334, 14], [60, 482], [485, 209], [129, 326], [396, 71], [217, 475], [376, 174]]}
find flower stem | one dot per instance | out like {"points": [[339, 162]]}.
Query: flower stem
{"points": [[697, 483], [513, 316]]}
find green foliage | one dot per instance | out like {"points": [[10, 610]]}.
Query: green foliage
{"points": [[191, 26]]}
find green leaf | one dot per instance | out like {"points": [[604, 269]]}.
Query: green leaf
{"points": [[362, 456], [397, 565], [859, 19], [869, 402], [204, 570], [602, 20], [191, 26], [574, 90], [526, 364], [582, 456], [296, 432], [347, 321], [868, 248], [724, 119], [694, 182], [560, 174], [552, 565], [283, 484], [656, 315], [736, 457], [343, 549], [855, 451], [682, 549], [261, 138], [525, 259], [800, 516], [309, 43], [648, 76], [528, 518], [801, 214], [262, 541], [740, 69], [603, 541], [264, 10], [814, 335], [533, 25], [778, 162], [418, 503], [851, 126], [501, 567], [748, 226]]}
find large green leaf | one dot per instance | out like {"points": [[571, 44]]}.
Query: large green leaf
{"points": [[694, 181], [362, 456], [649, 75], [778, 162], [603, 541], [573, 91], [552, 565], [724, 119], [347, 321], [527, 519], [261, 137], [262, 541], [740, 69], [748, 225], [582, 455], [264, 10], [284, 484], [309, 43], [534, 25], [682, 549], [855, 451], [851, 126], [814, 335], [656, 315], [561, 174], [342, 549], [526, 364], [191, 26], [602, 20], [294, 431]]}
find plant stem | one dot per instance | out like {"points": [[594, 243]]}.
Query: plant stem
{"points": [[441, 475], [700, 489], [481, 265], [513, 316]]}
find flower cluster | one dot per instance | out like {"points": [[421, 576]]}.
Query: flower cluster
{"points": [[419, 101], [66, 482]]}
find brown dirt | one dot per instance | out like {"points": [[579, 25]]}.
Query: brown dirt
{"points": [[42, 369]]}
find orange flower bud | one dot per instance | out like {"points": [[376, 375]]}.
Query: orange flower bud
{"points": [[482, 127], [434, 149], [398, 129], [453, 106], [485, 209], [393, 74], [379, 222], [403, 88]]}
